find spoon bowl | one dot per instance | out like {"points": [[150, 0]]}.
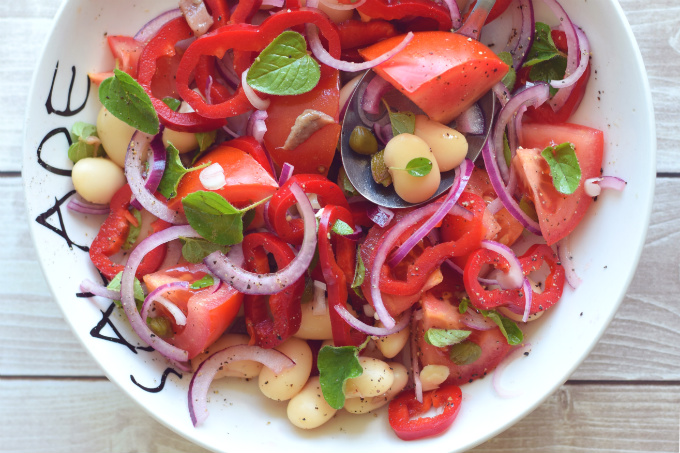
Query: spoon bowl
{"points": [[358, 166]]}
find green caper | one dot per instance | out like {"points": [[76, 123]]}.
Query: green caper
{"points": [[379, 170], [363, 141], [465, 353]]}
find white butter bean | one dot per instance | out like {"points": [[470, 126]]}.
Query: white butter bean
{"points": [[431, 376], [364, 405], [115, 135], [308, 409], [97, 179], [314, 327], [242, 369], [391, 345], [399, 151], [288, 383], [376, 379], [448, 145], [183, 141]]}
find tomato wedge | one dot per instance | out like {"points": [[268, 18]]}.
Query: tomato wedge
{"points": [[442, 73]]}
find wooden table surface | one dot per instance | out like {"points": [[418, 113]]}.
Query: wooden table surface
{"points": [[624, 397]]}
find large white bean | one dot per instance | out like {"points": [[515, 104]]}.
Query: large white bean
{"points": [[399, 151], [448, 145], [364, 405], [288, 383], [242, 369], [314, 327], [115, 135], [391, 345], [376, 379], [183, 141], [308, 409], [432, 376], [97, 179]]}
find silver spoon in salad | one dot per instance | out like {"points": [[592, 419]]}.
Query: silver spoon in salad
{"points": [[475, 121]]}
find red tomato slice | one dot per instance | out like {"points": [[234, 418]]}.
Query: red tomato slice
{"points": [[558, 214], [441, 314], [442, 73], [208, 314], [126, 50], [246, 180], [315, 155]]}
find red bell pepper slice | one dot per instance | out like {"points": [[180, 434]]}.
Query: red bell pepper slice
{"points": [[338, 268], [292, 230], [400, 9], [356, 33], [405, 407], [219, 10], [112, 235], [163, 45], [532, 260], [244, 11], [245, 38], [284, 306], [468, 234], [204, 69]]}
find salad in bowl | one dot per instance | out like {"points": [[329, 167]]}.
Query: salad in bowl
{"points": [[225, 271]]}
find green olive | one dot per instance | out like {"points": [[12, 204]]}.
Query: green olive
{"points": [[363, 141]]}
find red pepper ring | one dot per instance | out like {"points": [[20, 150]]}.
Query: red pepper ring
{"points": [[163, 45], [284, 306], [248, 38], [405, 407], [335, 276], [394, 10], [112, 235], [553, 286], [481, 297], [292, 230]]}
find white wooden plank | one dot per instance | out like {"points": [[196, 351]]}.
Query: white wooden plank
{"points": [[84, 415]]}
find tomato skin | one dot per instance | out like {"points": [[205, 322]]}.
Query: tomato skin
{"points": [[441, 72], [315, 155], [441, 314], [208, 313], [126, 50], [246, 180], [558, 214]]}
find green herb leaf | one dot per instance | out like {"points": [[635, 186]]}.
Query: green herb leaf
{"points": [[85, 142], [284, 67], [445, 337], [172, 103], [114, 285], [463, 305], [127, 101], [308, 293], [133, 234], [205, 140], [465, 353], [337, 365], [205, 282], [194, 250], [342, 228], [543, 47], [402, 122], [359, 271], [213, 217], [174, 171], [526, 205], [420, 166], [507, 153], [511, 76], [345, 184], [549, 70], [564, 167], [508, 327]]}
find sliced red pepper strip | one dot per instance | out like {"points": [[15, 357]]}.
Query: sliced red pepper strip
{"points": [[338, 268], [245, 10], [404, 408], [246, 38], [163, 45], [251, 146], [400, 9], [219, 10], [284, 306], [204, 69], [292, 230], [356, 33], [532, 260], [112, 235], [468, 234]]}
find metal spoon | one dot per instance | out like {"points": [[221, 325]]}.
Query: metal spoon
{"points": [[358, 166]]}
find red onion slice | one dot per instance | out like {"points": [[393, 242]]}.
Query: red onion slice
{"points": [[454, 11], [496, 380], [514, 277], [379, 215], [528, 296], [205, 373], [226, 69], [462, 176], [564, 254], [483, 281], [460, 211], [253, 98], [593, 186], [251, 283], [372, 330], [584, 57], [524, 33], [88, 286], [158, 163], [127, 290], [319, 306], [150, 29], [212, 177], [375, 90], [78, 204], [476, 321], [415, 365], [196, 15], [286, 173], [155, 296], [257, 127], [133, 171]]}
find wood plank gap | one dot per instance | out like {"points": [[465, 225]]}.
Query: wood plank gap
{"points": [[18, 377], [10, 174], [620, 383], [667, 174]]}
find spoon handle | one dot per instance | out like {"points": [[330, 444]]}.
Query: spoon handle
{"points": [[472, 27]]}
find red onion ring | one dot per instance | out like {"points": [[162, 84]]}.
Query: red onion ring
{"points": [[454, 11], [564, 254], [503, 393], [483, 281], [133, 171], [78, 204], [514, 277], [584, 57], [156, 296], [379, 215], [319, 306], [460, 211], [375, 90], [88, 286], [528, 296], [257, 127], [158, 163], [593, 186], [523, 20], [226, 69], [286, 173], [372, 330], [462, 176], [253, 98], [205, 373], [127, 297], [251, 283], [150, 29]]}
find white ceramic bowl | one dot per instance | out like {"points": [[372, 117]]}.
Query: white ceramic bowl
{"points": [[618, 101]]}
